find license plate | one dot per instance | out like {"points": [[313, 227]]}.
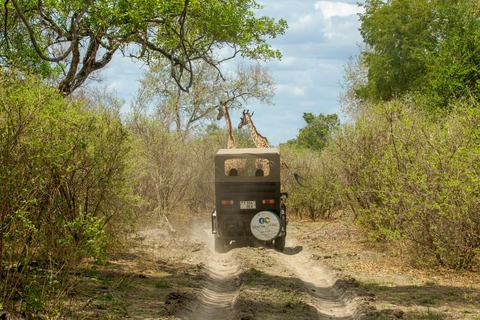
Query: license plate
{"points": [[247, 205]]}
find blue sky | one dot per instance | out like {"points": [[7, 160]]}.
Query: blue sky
{"points": [[322, 35]]}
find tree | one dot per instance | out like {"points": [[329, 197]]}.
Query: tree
{"points": [[398, 32], [421, 47], [354, 78], [247, 83], [317, 131], [77, 38], [180, 111], [453, 68]]}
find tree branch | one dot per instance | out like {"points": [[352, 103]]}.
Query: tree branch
{"points": [[34, 41], [181, 44], [64, 85], [5, 33], [92, 66]]}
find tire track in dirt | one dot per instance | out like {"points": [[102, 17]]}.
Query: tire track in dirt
{"points": [[220, 286], [330, 296], [327, 293]]}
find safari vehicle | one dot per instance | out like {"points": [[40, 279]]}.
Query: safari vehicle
{"points": [[249, 204]]}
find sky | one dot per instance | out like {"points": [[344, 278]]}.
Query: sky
{"points": [[321, 37]]}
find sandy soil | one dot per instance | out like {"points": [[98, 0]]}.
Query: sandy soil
{"points": [[326, 272], [230, 290]]}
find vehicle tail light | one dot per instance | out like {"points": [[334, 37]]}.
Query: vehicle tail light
{"points": [[270, 201], [227, 201]]}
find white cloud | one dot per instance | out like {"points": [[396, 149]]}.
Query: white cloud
{"points": [[333, 9], [290, 90], [340, 29], [299, 91], [304, 22], [289, 61], [114, 85], [320, 38]]}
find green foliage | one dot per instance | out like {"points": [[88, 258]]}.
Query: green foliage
{"points": [[318, 197], [317, 131], [413, 179], [427, 48], [452, 68], [243, 138], [61, 177], [80, 37], [397, 32]]}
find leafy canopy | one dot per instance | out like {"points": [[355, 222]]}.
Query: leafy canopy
{"points": [[72, 39], [317, 131], [421, 47]]}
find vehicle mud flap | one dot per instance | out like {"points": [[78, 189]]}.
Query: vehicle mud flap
{"points": [[280, 243], [219, 245]]}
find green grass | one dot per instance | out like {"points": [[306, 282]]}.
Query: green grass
{"points": [[427, 315], [108, 297], [162, 285]]}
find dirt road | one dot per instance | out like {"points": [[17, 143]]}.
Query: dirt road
{"points": [[166, 275], [261, 283]]}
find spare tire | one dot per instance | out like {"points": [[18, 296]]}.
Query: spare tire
{"points": [[265, 226]]}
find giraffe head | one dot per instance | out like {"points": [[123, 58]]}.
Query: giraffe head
{"points": [[221, 110], [244, 119]]}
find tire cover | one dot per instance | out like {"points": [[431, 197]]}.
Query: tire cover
{"points": [[265, 226]]}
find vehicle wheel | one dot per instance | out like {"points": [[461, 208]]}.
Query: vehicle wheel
{"points": [[280, 244], [219, 245]]}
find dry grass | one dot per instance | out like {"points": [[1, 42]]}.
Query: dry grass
{"points": [[402, 289]]}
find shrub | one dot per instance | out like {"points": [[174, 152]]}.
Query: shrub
{"points": [[413, 178], [61, 171], [317, 197], [171, 174]]}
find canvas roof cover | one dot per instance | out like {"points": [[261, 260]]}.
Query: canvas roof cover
{"points": [[271, 154]]}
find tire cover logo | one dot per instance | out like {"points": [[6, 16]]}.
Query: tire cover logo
{"points": [[265, 225]]}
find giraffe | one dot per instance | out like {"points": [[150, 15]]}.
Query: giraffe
{"points": [[262, 142], [240, 165], [259, 141]]}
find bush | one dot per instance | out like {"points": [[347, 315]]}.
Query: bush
{"points": [[61, 172], [317, 197], [171, 174], [412, 178]]}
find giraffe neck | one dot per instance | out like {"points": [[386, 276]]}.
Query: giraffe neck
{"points": [[232, 144], [259, 140]]}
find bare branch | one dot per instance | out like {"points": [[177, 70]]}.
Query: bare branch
{"points": [[6, 18], [90, 65], [34, 41], [182, 45], [163, 52]]}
